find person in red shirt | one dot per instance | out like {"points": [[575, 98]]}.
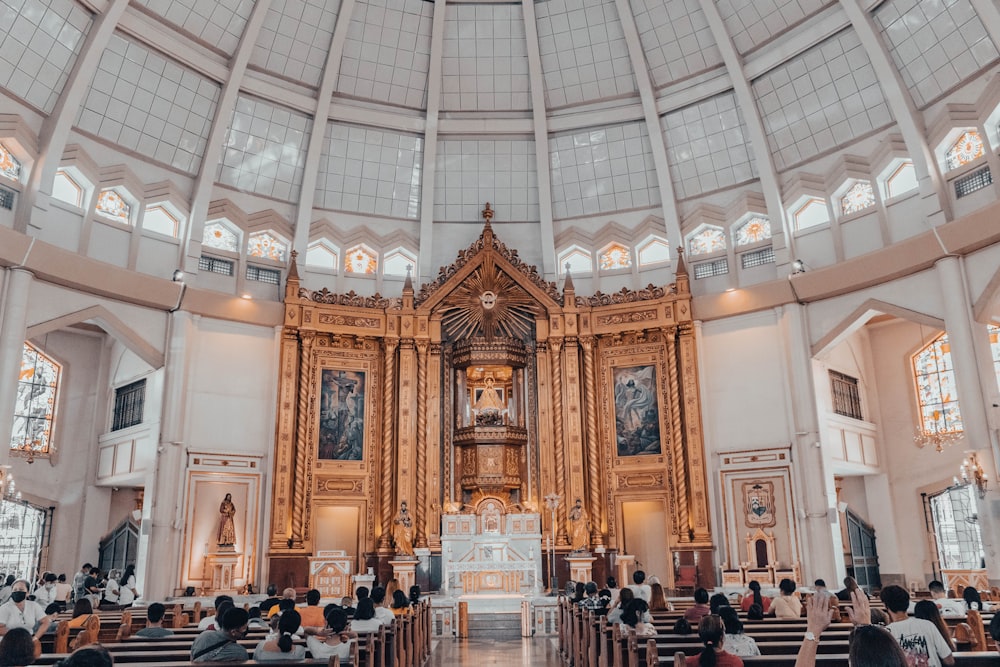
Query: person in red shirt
{"points": [[700, 609], [754, 597]]}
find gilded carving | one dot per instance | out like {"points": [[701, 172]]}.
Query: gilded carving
{"points": [[340, 485], [349, 321], [350, 299], [625, 295], [640, 480], [627, 317]]}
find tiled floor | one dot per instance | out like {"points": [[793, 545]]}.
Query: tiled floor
{"points": [[540, 652]]}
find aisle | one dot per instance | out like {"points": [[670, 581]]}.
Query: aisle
{"points": [[540, 652]]}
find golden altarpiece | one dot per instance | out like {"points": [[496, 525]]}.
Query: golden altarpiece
{"points": [[488, 384]]}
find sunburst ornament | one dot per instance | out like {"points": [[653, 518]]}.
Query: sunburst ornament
{"points": [[488, 303]]}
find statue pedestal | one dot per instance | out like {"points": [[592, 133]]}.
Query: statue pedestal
{"points": [[404, 570], [366, 580], [581, 567], [624, 563], [220, 572], [330, 573]]}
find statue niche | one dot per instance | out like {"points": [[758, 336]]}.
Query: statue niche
{"points": [[490, 433]]}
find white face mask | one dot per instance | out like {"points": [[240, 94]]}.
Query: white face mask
{"points": [[49, 585]]}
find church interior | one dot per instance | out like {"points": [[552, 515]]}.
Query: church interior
{"points": [[488, 296]]}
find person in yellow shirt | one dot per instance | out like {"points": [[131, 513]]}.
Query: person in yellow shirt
{"points": [[312, 613], [82, 611]]}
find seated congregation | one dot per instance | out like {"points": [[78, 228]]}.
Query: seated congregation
{"points": [[379, 627], [640, 625]]}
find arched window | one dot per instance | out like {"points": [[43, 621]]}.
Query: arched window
{"points": [[654, 251], [35, 408], [9, 166], [397, 262], [706, 240], [65, 188], [994, 332], [615, 256], [322, 255], [111, 204], [969, 147], [267, 246], [755, 230], [579, 260], [902, 180], [161, 220], [956, 527], [360, 259], [857, 198], [811, 213], [220, 235], [936, 396]]}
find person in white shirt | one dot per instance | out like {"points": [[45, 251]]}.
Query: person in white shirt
{"points": [[948, 607], [333, 640], [20, 612], [920, 640], [640, 588], [45, 594], [382, 613], [112, 591], [209, 621], [364, 618], [126, 587]]}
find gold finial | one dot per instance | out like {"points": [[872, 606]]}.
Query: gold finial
{"points": [[487, 214]]}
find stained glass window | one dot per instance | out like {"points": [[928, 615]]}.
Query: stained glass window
{"points": [[857, 198], [969, 147], [360, 259], [902, 180], [267, 246], [64, 188], [754, 230], [9, 166], [616, 256], [936, 395], [36, 402], [322, 255], [112, 205], [655, 251], [706, 241], [813, 212], [219, 235], [397, 261], [159, 219], [579, 260]]}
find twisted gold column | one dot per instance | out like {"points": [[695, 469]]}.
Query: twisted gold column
{"points": [[557, 434], [680, 472], [388, 432], [593, 444], [421, 508], [301, 439]]}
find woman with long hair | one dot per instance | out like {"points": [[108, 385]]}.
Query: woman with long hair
{"points": [[333, 640], [658, 599], [281, 646], [753, 596], [126, 587], [737, 643], [82, 610], [400, 603], [712, 633], [972, 598], [928, 611]]}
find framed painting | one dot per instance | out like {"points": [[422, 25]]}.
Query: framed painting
{"points": [[342, 415], [637, 411]]}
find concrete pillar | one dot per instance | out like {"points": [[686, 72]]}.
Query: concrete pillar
{"points": [[163, 522], [971, 376], [814, 490], [17, 285]]}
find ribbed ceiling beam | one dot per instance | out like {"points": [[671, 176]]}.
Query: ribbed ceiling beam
{"points": [[321, 114], [205, 180], [55, 130], [429, 168], [766, 171]]}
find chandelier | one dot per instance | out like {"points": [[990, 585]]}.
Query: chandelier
{"points": [[972, 472], [939, 440]]}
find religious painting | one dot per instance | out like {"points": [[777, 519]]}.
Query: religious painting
{"points": [[637, 412], [758, 503], [342, 415]]}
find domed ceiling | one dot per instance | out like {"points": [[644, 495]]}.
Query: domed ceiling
{"points": [[386, 125]]}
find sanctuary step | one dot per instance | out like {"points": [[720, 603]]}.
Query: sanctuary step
{"points": [[501, 625]]}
